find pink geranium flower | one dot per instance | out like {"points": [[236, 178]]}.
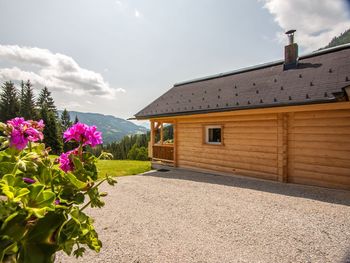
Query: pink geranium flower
{"points": [[82, 133], [22, 131], [94, 136], [66, 163]]}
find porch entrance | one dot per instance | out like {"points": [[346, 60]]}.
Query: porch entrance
{"points": [[162, 142]]}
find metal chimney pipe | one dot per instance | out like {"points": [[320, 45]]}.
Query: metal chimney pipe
{"points": [[290, 52], [290, 35]]}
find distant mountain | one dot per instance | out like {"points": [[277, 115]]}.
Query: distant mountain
{"points": [[112, 128], [343, 38]]}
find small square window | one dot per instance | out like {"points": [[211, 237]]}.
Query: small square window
{"points": [[213, 135]]}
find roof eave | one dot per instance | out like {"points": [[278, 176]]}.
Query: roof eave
{"points": [[330, 100]]}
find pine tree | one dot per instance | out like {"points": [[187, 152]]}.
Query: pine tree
{"points": [[27, 107], [76, 120], [65, 120], [65, 124], [9, 104], [52, 130], [45, 100]]}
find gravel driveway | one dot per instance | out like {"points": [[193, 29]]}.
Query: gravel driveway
{"points": [[183, 216]]}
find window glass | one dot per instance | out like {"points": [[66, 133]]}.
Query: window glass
{"points": [[213, 134]]}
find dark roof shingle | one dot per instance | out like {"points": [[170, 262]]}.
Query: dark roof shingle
{"points": [[315, 80]]}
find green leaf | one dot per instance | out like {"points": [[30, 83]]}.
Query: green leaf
{"points": [[77, 183], [3, 126], [79, 252], [38, 148], [8, 179], [78, 165], [111, 180], [20, 193], [41, 241], [22, 165], [14, 226], [46, 199], [7, 247], [95, 198], [45, 176], [40, 201], [35, 190], [6, 168], [39, 212], [68, 246]]}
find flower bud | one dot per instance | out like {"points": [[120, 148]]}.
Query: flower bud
{"points": [[28, 180]]}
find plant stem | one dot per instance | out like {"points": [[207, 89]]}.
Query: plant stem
{"points": [[85, 206]]}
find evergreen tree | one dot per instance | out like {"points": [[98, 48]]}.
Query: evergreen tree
{"points": [[65, 124], [52, 137], [65, 120], [132, 147], [76, 120], [48, 113], [45, 100], [9, 104], [27, 107]]}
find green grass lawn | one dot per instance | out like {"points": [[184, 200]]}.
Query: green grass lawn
{"points": [[122, 167]]}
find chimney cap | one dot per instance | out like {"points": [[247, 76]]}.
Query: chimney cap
{"points": [[290, 32]]}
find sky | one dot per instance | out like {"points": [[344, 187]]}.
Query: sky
{"points": [[117, 56]]}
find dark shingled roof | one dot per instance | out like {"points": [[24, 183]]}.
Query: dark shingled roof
{"points": [[319, 77]]}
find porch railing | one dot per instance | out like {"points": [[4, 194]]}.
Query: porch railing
{"points": [[163, 152]]}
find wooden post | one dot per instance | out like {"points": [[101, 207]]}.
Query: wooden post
{"points": [[175, 142], [151, 143], [161, 133], [282, 147]]}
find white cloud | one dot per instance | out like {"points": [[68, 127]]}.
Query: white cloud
{"points": [[137, 13], [316, 21], [71, 105], [54, 70]]}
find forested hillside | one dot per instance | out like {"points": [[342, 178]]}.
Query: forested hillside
{"points": [[112, 128], [343, 38]]}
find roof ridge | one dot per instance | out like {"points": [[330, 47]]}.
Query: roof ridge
{"points": [[263, 65]]}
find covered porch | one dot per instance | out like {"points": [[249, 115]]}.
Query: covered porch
{"points": [[162, 144]]}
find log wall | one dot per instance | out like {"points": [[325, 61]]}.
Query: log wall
{"points": [[250, 145], [311, 147], [319, 148]]}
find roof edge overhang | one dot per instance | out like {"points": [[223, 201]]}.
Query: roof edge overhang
{"points": [[330, 102]]}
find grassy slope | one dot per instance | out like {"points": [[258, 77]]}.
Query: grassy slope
{"points": [[122, 167]]}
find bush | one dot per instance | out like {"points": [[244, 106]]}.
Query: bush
{"points": [[42, 203], [138, 153]]}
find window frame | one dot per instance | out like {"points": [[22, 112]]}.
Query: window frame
{"points": [[206, 128]]}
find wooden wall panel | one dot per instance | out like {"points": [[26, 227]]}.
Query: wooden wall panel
{"points": [[310, 147], [319, 148], [249, 145]]}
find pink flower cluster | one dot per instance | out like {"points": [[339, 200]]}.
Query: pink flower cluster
{"points": [[22, 132], [65, 162], [82, 133]]}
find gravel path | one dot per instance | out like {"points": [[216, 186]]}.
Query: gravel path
{"points": [[183, 216]]}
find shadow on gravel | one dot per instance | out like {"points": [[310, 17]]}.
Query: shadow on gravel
{"points": [[316, 193], [346, 259]]}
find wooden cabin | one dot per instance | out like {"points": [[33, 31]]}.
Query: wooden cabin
{"points": [[287, 121]]}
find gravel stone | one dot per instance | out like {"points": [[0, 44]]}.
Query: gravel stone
{"points": [[184, 216]]}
